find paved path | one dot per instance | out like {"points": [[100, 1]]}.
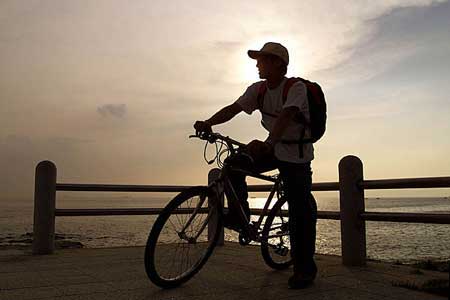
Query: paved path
{"points": [[233, 272]]}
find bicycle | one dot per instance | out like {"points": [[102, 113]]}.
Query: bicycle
{"points": [[179, 245]]}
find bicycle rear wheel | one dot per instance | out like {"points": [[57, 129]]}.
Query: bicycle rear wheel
{"points": [[275, 240], [178, 244]]}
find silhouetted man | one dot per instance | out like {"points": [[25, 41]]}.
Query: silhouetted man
{"points": [[293, 159]]}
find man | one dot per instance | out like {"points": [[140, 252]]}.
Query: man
{"points": [[293, 159]]}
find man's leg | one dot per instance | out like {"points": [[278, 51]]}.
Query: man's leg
{"points": [[238, 182], [239, 185], [302, 217]]}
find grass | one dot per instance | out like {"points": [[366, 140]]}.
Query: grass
{"points": [[440, 266], [431, 265], [433, 286]]}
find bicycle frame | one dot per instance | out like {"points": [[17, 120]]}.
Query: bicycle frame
{"points": [[223, 185], [253, 230]]}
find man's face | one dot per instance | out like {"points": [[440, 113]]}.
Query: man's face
{"points": [[267, 66]]}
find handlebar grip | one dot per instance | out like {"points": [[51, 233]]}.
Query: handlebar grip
{"points": [[203, 136]]}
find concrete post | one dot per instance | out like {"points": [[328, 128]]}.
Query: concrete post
{"points": [[44, 208], [351, 197], [213, 175]]}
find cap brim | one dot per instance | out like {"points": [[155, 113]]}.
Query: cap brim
{"points": [[254, 53]]}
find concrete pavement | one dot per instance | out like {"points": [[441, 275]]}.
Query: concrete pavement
{"points": [[233, 272]]}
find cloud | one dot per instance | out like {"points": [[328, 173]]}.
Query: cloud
{"points": [[228, 45], [114, 110], [394, 37]]}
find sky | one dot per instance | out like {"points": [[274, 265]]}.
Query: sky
{"points": [[109, 90]]}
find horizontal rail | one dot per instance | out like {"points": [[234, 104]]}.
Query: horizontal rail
{"points": [[328, 215], [407, 183], [117, 211], [107, 211], [324, 186], [119, 188], [407, 217], [403, 183], [332, 215]]}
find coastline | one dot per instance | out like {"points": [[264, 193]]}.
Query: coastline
{"points": [[69, 241], [24, 242]]}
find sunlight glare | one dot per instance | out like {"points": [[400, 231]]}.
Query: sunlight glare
{"points": [[249, 73]]}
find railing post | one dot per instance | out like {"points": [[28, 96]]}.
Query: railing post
{"points": [[213, 175], [351, 198], [44, 208]]}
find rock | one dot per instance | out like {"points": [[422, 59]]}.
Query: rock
{"points": [[64, 244]]}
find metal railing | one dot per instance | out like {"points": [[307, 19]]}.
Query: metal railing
{"points": [[351, 188]]}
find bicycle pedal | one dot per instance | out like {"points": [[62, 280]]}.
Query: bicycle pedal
{"points": [[244, 240], [282, 251]]}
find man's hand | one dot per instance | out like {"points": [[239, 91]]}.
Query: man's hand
{"points": [[259, 150], [202, 127]]}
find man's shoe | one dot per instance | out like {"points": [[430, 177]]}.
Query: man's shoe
{"points": [[301, 281]]}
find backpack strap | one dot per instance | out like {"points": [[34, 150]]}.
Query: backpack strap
{"points": [[261, 93], [289, 83], [262, 89]]}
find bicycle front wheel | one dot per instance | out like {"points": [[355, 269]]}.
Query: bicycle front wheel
{"points": [[178, 244], [275, 240]]}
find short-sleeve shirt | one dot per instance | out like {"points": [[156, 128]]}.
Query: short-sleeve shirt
{"points": [[273, 104]]}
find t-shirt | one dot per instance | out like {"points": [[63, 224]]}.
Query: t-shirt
{"points": [[273, 104]]}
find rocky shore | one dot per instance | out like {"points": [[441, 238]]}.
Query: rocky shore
{"points": [[24, 241]]}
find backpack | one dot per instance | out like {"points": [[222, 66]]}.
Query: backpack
{"points": [[317, 107]]}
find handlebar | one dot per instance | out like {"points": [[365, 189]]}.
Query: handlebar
{"points": [[232, 147], [214, 136]]}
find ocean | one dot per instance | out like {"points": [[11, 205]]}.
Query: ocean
{"points": [[387, 241]]}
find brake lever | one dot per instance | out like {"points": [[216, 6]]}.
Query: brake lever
{"points": [[204, 136]]}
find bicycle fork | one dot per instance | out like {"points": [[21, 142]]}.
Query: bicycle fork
{"points": [[182, 234]]}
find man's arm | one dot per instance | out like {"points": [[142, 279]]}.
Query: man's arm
{"points": [[287, 115], [222, 116], [225, 114]]}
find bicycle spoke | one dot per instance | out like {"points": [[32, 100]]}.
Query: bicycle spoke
{"points": [[276, 244], [183, 241]]}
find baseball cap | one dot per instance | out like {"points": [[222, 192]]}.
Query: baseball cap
{"points": [[271, 48]]}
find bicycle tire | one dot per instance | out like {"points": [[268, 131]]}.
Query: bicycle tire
{"points": [[160, 255], [276, 251]]}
